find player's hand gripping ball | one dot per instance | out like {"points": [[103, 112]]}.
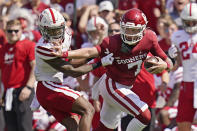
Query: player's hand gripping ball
{"points": [[155, 64], [150, 61]]}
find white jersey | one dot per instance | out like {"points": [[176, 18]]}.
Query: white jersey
{"points": [[187, 46], [43, 71], [175, 77]]}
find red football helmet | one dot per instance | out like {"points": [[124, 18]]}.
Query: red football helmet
{"points": [[132, 25]]}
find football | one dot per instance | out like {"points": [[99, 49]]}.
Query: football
{"points": [[149, 60]]}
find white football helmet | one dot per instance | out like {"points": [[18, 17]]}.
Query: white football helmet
{"points": [[188, 16], [52, 25], [132, 25], [91, 27]]}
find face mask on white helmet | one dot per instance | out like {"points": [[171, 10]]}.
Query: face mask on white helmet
{"points": [[52, 25], [189, 18]]}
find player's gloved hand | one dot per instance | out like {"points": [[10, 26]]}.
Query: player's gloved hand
{"points": [[107, 60], [172, 51]]}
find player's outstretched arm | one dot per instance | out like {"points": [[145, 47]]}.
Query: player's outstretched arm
{"points": [[65, 67], [76, 54]]}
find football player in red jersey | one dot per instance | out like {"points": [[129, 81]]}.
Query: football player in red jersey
{"points": [[129, 49]]}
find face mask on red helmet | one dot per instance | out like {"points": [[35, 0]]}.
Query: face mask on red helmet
{"points": [[132, 25]]}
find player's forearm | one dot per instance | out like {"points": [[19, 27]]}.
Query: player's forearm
{"points": [[174, 95], [169, 63], [78, 62], [165, 77], [177, 63], [83, 53], [76, 72]]}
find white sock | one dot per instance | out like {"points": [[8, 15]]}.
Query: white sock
{"points": [[135, 125]]}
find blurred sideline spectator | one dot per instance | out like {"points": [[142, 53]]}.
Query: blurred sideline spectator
{"points": [[114, 2], [3, 39], [67, 20], [127, 4], [81, 3], [106, 11], [178, 6], [94, 36], [8, 6], [89, 12], [3, 22], [114, 28], [17, 63], [37, 6], [27, 23], [153, 11], [166, 28]]}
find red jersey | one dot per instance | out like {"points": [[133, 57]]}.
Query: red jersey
{"points": [[144, 87], [15, 63], [128, 61]]}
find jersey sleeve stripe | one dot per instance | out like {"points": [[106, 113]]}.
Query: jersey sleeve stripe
{"points": [[45, 49], [98, 48], [45, 54]]}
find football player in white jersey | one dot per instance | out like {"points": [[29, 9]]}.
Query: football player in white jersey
{"points": [[185, 41], [55, 97]]}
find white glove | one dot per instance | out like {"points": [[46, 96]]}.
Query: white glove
{"points": [[172, 51], [107, 60]]}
